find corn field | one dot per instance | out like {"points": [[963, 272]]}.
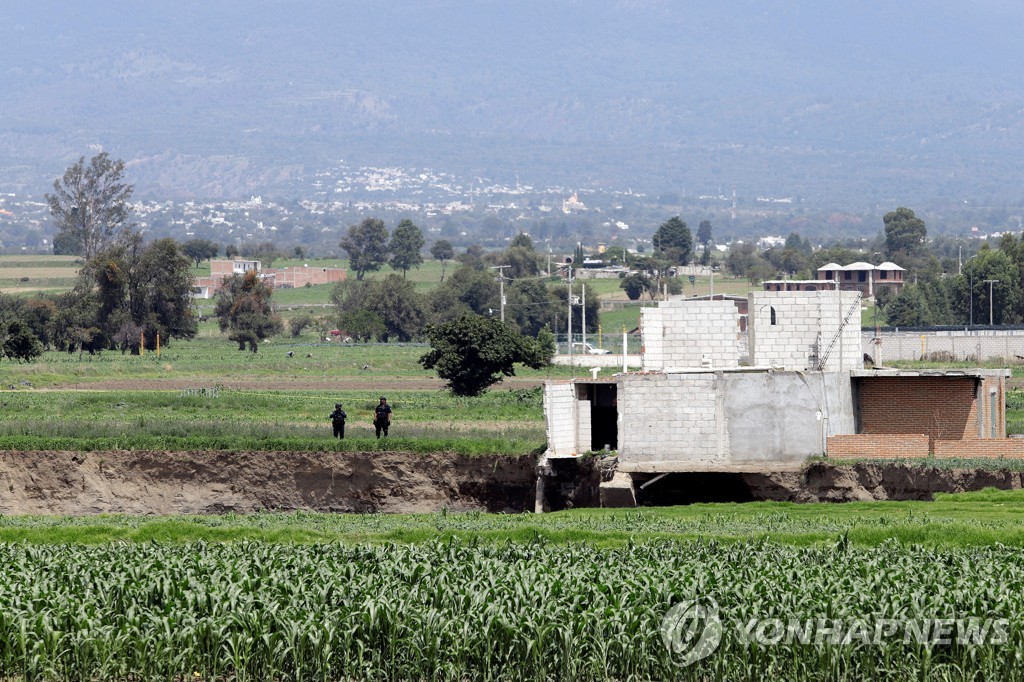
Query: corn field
{"points": [[459, 610]]}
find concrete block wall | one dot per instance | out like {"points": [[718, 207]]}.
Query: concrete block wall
{"points": [[805, 325], [560, 412], [877, 446], [583, 439], [691, 332], [729, 421], [670, 418]]}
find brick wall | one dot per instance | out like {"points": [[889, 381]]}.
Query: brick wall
{"points": [[877, 446], [991, 448], [942, 407]]}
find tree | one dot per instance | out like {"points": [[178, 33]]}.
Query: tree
{"points": [[674, 241], [141, 291], [442, 250], [244, 309], [905, 234], [529, 305], [635, 285], [477, 289], [17, 342], [406, 244], [363, 325], [89, 204], [393, 300], [367, 246], [200, 249], [472, 353], [265, 252], [704, 233], [17, 339]]}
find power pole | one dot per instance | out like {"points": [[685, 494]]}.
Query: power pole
{"points": [[569, 328], [990, 282], [501, 287]]}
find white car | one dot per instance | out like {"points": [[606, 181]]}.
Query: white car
{"points": [[589, 350]]}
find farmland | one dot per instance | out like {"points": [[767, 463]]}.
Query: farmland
{"points": [[581, 594], [570, 596]]}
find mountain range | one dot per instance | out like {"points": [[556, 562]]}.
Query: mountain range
{"points": [[842, 104]]}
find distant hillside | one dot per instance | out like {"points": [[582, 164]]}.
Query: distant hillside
{"points": [[869, 104]]}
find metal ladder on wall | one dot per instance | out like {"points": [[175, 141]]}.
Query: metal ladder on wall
{"points": [[842, 325]]}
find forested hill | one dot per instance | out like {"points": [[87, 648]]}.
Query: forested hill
{"points": [[852, 103]]}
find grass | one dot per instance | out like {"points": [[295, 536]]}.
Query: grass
{"points": [[215, 418], [211, 359], [979, 519]]}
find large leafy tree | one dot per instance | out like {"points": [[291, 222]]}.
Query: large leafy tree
{"points": [[472, 353], [635, 285], [367, 246], [442, 250], [393, 301], [200, 249], [674, 241], [17, 339], [244, 310], [89, 205], [141, 291], [905, 234], [521, 258], [406, 247], [468, 286]]}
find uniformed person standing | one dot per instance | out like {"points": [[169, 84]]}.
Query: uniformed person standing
{"points": [[382, 417], [338, 418]]}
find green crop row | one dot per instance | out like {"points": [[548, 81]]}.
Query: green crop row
{"points": [[460, 611], [979, 519]]}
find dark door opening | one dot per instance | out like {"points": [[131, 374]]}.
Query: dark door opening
{"points": [[693, 488], [604, 417]]}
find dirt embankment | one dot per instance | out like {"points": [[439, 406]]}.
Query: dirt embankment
{"points": [[151, 482], [823, 482], [155, 482]]}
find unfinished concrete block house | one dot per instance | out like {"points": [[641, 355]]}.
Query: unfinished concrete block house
{"points": [[723, 392]]}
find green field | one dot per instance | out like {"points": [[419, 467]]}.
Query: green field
{"points": [[579, 595], [961, 521]]}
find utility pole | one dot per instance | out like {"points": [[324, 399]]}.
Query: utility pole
{"points": [[583, 288], [990, 283], [501, 287], [569, 328]]}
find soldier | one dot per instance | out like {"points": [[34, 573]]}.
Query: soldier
{"points": [[382, 416], [338, 418]]}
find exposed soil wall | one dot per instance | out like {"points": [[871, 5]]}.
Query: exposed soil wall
{"points": [[822, 482], [153, 482], [156, 482]]}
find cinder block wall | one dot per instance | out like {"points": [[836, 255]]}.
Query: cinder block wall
{"points": [[681, 334], [806, 324], [560, 411], [943, 408], [670, 418]]}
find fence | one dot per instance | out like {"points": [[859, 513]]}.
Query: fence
{"points": [[975, 345], [609, 342]]}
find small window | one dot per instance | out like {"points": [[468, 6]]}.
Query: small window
{"points": [[847, 275], [884, 274], [862, 276], [773, 315]]}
